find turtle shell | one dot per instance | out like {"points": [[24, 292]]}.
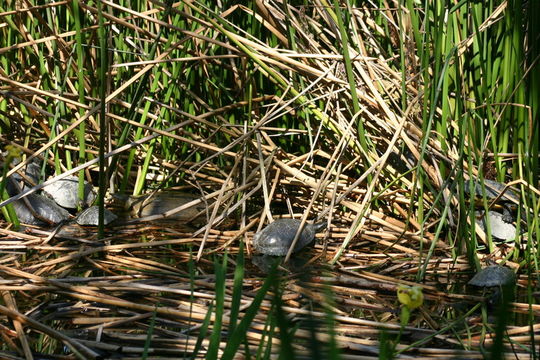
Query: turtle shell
{"points": [[493, 189], [162, 202], [276, 238], [43, 206], [494, 275], [90, 216], [500, 227], [65, 192]]}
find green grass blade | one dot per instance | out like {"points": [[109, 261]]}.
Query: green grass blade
{"points": [[239, 334]]}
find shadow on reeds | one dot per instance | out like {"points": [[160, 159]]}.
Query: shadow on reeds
{"points": [[265, 317]]}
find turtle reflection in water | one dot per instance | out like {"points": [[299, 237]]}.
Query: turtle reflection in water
{"points": [[276, 238]]}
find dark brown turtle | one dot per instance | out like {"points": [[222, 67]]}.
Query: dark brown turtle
{"points": [[276, 238]]}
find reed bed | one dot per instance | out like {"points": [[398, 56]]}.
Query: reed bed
{"points": [[371, 117]]}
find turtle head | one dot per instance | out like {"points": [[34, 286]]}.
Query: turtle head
{"points": [[320, 226]]}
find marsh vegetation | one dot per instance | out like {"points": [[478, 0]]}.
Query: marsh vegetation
{"points": [[387, 121]]}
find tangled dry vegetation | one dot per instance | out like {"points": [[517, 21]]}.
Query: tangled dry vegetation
{"points": [[147, 290]]}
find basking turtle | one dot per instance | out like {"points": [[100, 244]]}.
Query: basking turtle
{"points": [[31, 174], [65, 192], [276, 238], [493, 189], [44, 210], [35, 209], [501, 225], [161, 202], [498, 279], [492, 276], [90, 216], [502, 219]]}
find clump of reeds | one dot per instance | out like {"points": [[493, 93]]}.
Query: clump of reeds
{"points": [[369, 116]]}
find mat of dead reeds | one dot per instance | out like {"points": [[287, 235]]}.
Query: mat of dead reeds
{"points": [[377, 118]]}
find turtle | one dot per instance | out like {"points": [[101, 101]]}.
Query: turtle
{"points": [[276, 238], [402, 161], [502, 219], [501, 225], [499, 279], [492, 276], [65, 192], [47, 211], [492, 189], [34, 209], [31, 173], [161, 202], [90, 216]]}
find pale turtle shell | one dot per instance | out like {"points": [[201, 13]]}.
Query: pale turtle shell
{"points": [[500, 228], [65, 192]]}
